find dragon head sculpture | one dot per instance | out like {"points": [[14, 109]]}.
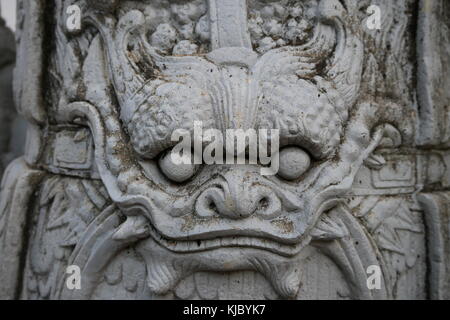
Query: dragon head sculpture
{"points": [[229, 217]]}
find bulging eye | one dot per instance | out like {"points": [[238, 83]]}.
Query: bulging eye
{"points": [[293, 163], [177, 167]]}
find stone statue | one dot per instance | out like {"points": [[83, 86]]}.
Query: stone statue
{"points": [[359, 208]]}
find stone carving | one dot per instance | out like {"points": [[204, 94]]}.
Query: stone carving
{"points": [[101, 198]]}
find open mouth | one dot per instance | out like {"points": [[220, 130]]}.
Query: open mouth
{"points": [[236, 241]]}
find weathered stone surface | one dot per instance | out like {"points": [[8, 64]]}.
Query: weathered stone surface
{"points": [[364, 157]]}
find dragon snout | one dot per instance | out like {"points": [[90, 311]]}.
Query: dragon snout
{"points": [[239, 196]]}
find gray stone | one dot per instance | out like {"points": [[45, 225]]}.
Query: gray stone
{"points": [[363, 124]]}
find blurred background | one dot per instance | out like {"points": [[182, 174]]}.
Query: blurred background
{"points": [[8, 10], [12, 126]]}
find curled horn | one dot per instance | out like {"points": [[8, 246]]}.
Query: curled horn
{"points": [[345, 70], [133, 82], [335, 38], [127, 80]]}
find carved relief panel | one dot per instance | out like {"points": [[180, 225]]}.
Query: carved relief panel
{"points": [[356, 187]]}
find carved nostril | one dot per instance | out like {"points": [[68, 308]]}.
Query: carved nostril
{"points": [[269, 206], [263, 204], [238, 199], [212, 206], [207, 203]]}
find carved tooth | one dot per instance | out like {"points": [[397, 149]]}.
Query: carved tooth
{"points": [[185, 245], [180, 246], [177, 246], [215, 243], [162, 272], [201, 244], [189, 245], [134, 228], [278, 246]]}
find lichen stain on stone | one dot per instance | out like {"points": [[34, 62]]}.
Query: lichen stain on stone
{"points": [[190, 222], [285, 225]]}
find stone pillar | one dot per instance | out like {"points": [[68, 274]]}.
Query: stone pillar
{"points": [[358, 207]]}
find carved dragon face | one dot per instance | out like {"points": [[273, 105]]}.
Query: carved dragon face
{"points": [[305, 91]]}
